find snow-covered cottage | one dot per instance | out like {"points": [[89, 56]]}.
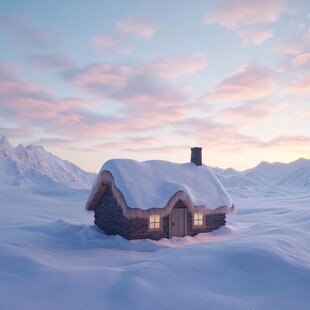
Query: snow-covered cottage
{"points": [[158, 199]]}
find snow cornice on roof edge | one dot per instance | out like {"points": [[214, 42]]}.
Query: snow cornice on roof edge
{"points": [[106, 179]]}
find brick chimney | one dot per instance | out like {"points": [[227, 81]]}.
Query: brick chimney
{"points": [[196, 157]]}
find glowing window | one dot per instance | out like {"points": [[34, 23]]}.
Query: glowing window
{"points": [[198, 219], [154, 222]]}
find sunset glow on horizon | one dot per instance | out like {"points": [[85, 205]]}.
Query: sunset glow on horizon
{"points": [[96, 80]]}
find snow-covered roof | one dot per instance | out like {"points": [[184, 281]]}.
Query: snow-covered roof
{"points": [[157, 184]]}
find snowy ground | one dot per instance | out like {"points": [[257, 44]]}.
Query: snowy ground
{"points": [[52, 257]]}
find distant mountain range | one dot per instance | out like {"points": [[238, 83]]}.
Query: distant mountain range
{"points": [[270, 178], [33, 165]]}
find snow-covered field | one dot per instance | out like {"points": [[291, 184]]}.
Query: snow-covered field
{"points": [[53, 257]]}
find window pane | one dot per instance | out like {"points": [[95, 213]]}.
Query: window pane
{"points": [[154, 221], [198, 219]]}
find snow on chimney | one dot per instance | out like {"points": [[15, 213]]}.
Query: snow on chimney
{"points": [[196, 156]]}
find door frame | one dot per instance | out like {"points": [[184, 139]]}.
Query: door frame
{"points": [[185, 221]]}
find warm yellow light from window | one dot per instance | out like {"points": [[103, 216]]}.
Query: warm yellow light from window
{"points": [[154, 221], [198, 219]]}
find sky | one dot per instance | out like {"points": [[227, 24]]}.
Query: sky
{"points": [[94, 80]]}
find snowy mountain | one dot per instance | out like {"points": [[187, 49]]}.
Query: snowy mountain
{"points": [[278, 170], [33, 165], [297, 178], [267, 178]]}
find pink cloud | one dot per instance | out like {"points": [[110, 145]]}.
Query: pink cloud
{"points": [[12, 86], [129, 144], [218, 136], [52, 61], [297, 45], [287, 141], [209, 133], [299, 86], [137, 27], [146, 104], [150, 103], [250, 111], [247, 83], [296, 52], [100, 78], [300, 60], [108, 80], [255, 36], [247, 18], [176, 67], [146, 99], [110, 44], [8, 70], [58, 142], [37, 38], [29, 106], [233, 14]]}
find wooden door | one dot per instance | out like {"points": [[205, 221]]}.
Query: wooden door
{"points": [[178, 223]]}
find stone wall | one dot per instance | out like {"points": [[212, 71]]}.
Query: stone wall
{"points": [[109, 217], [139, 229], [212, 222]]}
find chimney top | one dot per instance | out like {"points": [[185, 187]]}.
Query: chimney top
{"points": [[196, 156]]}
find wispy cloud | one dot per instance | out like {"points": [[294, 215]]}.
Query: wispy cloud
{"points": [[248, 18], [233, 14], [175, 67], [249, 112], [147, 99], [301, 85], [108, 44], [210, 133], [146, 103], [247, 83], [111, 80], [300, 60], [254, 35], [50, 62], [100, 78], [138, 27], [286, 141], [37, 38], [296, 51], [130, 144]]}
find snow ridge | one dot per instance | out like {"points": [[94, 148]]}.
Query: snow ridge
{"points": [[33, 165]]}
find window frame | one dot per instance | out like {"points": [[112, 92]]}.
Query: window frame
{"points": [[155, 222], [199, 220]]}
